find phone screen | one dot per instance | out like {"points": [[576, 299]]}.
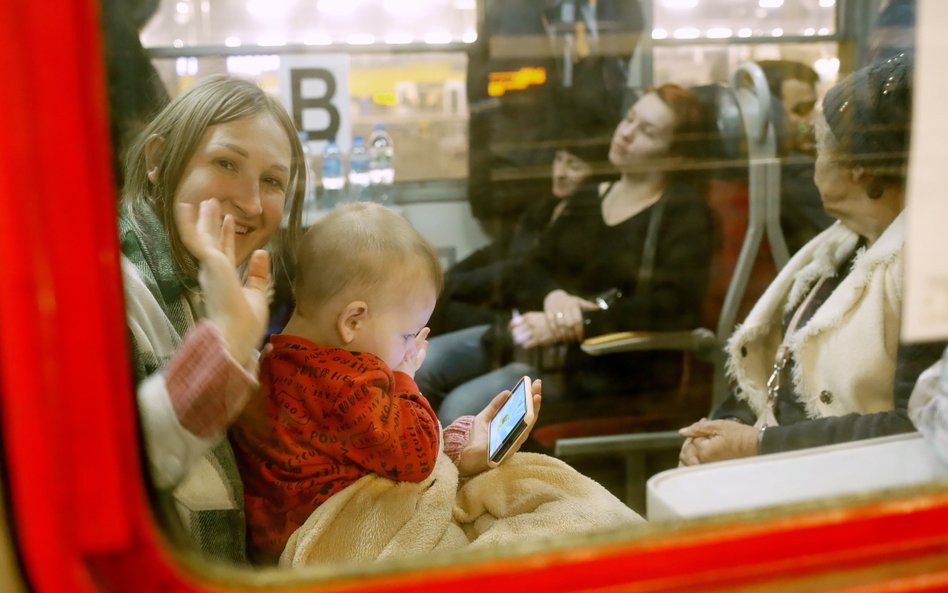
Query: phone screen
{"points": [[511, 415]]}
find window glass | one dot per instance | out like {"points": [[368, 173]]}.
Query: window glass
{"points": [[720, 19], [583, 171], [419, 98], [234, 23], [704, 64]]}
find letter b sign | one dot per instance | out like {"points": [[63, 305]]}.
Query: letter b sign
{"points": [[317, 95], [321, 104]]}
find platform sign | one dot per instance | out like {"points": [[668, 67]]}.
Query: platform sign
{"points": [[925, 312], [315, 88]]}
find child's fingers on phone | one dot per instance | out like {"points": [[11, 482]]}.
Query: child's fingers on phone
{"points": [[536, 388]]}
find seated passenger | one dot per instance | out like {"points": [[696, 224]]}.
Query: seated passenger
{"points": [[646, 242], [342, 416], [793, 85], [477, 289], [194, 335], [818, 359]]}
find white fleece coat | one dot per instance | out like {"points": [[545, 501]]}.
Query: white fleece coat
{"points": [[846, 353]]}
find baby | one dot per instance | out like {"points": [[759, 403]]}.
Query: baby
{"points": [[340, 397]]}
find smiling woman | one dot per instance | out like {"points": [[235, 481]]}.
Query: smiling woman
{"points": [[205, 189]]}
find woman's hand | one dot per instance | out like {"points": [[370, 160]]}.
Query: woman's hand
{"points": [[717, 440], [564, 314], [240, 311], [473, 458], [532, 329], [416, 354]]}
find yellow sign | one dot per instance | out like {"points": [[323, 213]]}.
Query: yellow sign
{"points": [[498, 83]]}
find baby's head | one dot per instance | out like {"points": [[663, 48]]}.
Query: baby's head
{"points": [[366, 281]]}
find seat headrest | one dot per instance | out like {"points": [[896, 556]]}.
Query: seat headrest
{"points": [[728, 154]]}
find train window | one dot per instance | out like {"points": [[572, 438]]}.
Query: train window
{"points": [[604, 125]]}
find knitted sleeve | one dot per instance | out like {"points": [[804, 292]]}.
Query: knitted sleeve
{"points": [[456, 436], [207, 386]]}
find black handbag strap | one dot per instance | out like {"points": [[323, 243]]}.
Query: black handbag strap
{"points": [[647, 264], [646, 270]]}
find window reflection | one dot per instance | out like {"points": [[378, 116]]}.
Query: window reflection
{"points": [[693, 19], [234, 23], [703, 64], [440, 114], [420, 99]]}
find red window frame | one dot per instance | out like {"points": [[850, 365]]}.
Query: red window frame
{"points": [[79, 512]]}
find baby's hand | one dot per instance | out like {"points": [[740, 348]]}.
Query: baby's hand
{"points": [[415, 354]]}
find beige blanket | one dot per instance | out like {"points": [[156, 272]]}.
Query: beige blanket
{"points": [[528, 496]]}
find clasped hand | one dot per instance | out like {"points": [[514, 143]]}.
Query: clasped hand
{"points": [[239, 310], [561, 321], [716, 440]]}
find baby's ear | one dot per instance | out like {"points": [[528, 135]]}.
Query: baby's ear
{"points": [[350, 320]]}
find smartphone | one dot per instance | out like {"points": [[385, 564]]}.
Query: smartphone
{"points": [[513, 418]]}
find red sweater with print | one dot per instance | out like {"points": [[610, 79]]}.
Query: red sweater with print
{"points": [[329, 417]]}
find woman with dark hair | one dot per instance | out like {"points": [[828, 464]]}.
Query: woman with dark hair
{"points": [[642, 245], [477, 290], [818, 359]]}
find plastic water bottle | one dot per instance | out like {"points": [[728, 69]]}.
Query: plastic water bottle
{"points": [[382, 164], [334, 181], [359, 179], [309, 195]]}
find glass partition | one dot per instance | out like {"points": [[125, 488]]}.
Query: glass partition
{"points": [[575, 117]]}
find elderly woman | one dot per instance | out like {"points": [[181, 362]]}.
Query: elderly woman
{"points": [[818, 359]]}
